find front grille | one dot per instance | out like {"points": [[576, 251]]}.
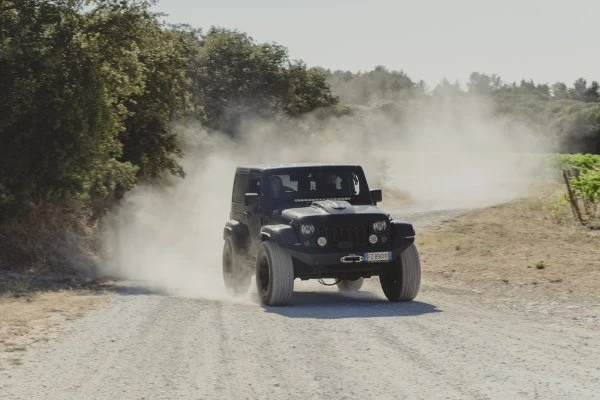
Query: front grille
{"points": [[342, 237]]}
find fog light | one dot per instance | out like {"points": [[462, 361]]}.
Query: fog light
{"points": [[322, 241], [384, 239], [373, 239]]}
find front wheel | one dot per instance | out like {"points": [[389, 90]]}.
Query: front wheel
{"points": [[402, 279], [274, 275]]}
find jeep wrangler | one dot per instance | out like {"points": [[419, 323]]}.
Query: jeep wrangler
{"points": [[312, 221]]}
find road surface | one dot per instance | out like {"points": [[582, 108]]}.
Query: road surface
{"points": [[327, 345]]}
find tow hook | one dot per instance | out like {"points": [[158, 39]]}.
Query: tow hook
{"points": [[352, 258]]}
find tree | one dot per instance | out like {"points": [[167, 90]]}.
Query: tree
{"points": [[58, 134], [373, 86], [307, 90], [560, 91], [144, 64], [578, 127], [579, 89], [592, 94], [148, 139], [482, 83], [445, 88], [235, 77]]}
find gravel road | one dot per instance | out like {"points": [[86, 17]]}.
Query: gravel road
{"points": [[146, 345]]}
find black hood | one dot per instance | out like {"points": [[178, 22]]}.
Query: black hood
{"points": [[330, 208]]}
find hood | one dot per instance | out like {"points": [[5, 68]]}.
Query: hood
{"points": [[330, 207]]}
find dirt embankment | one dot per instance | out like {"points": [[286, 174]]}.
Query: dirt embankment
{"points": [[524, 255]]}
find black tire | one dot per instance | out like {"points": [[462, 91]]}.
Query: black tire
{"points": [[236, 279], [346, 285], [274, 275], [402, 281]]}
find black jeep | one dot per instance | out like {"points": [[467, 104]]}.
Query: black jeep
{"points": [[314, 222]]}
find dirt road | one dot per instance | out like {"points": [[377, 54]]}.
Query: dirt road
{"points": [[146, 345]]}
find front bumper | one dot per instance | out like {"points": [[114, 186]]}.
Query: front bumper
{"points": [[313, 265]]}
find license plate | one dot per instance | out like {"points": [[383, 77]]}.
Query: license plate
{"points": [[380, 256]]}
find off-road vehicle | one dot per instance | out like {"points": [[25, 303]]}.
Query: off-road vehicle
{"points": [[313, 221]]}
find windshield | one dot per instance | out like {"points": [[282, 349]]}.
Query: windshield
{"points": [[305, 185]]}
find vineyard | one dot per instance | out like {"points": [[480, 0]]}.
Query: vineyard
{"points": [[582, 177]]}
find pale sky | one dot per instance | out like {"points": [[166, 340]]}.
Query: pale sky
{"points": [[547, 41]]}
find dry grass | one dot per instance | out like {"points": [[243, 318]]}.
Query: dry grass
{"points": [[524, 251], [35, 318]]}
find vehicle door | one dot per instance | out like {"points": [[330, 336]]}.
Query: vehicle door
{"points": [[238, 209], [248, 216], [254, 214]]}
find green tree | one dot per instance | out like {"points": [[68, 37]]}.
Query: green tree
{"points": [[592, 93], [234, 77], [579, 89], [144, 73], [482, 83], [578, 126], [560, 91], [306, 90], [58, 134], [378, 85]]}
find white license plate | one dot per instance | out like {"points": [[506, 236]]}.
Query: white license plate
{"points": [[378, 256]]}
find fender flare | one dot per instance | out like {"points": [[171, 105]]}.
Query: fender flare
{"points": [[403, 229], [237, 231], [282, 234]]}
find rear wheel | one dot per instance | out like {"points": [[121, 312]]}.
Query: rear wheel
{"points": [[274, 275], [346, 285], [236, 279], [401, 282]]}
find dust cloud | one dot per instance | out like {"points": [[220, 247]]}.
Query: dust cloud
{"points": [[443, 153]]}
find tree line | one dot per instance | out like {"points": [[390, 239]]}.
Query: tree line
{"points": [[571, 114], [89, 89]]}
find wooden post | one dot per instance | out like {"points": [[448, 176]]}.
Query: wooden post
{"points": [[572, 198]]}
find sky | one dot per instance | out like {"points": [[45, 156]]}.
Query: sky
{"points": [[547, 41]]}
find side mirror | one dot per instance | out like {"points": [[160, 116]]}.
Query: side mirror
{"points": [[251, 199], [376, 195]]}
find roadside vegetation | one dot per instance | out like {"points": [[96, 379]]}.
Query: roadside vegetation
{"points": [[582, 177]]}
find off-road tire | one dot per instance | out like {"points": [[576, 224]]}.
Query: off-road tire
{"points": [[236, 279], [346, 285], [401, 282], [274, 275]]}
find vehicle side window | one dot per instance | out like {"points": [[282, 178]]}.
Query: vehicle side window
{"points": [[254, 184], [239, 188], [288, 183], [355, 184]]}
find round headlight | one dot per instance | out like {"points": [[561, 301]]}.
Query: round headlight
{"points": [[307, 229], [379, 226], [322, 241], [373, 239]]}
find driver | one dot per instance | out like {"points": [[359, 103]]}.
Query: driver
{"points": [[330, 182], [276, 186]]}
